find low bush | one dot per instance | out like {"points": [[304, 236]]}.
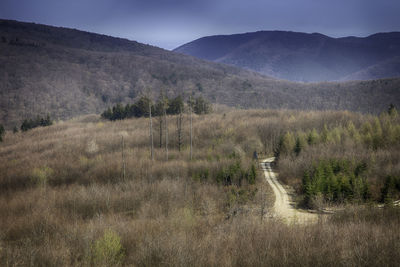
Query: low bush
{"points": [[234, 174], [108, 250]]}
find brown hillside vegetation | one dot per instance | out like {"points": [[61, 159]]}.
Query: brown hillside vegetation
{"points": [[66, 73], [65, 202]]}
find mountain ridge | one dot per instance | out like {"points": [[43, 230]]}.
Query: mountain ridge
{"points": [[298, 56]]}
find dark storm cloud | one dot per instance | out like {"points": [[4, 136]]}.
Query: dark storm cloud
{"points": [[169, 23]]}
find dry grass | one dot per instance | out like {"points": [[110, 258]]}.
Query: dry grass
{"points": [[62, 189]]}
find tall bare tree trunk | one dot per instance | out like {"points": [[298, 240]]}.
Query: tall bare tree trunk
{"points": [[166, 133], [151, 132], [161, 130], [179, 130], [123, 159], [191, 134]]}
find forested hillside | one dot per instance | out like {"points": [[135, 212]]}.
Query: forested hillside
{"points": [[65, 73]]}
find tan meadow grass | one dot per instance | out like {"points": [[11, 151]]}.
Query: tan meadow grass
{"points": [[61, 189]]}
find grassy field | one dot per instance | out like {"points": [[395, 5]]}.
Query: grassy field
{"points": [[64, 200]]}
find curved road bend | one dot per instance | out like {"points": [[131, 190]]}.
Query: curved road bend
{"points": [[282, 207]]}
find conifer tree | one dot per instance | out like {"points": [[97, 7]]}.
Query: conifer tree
{"points": [[2, 132], [307, 188], [313, 137], [392, 111], [299, 146]]}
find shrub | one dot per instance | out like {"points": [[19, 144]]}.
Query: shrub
{"points": [[201, 175], [235, 174], [108, 250], [40, 176], [286, 144]]}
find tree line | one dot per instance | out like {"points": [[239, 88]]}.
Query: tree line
{"points": [[28, 124], [172, 106], [380, 132], [328, 178], [144, 107], [344, 180], [336, 180]]}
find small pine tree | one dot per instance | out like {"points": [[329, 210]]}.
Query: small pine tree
{"points": [[2, 132], [26, 125], [392, 111], [175, 106], [353, 132], [388, 189], [141, 108], [107, 114], [108, 250], [299, 146], [366, 192], [252, 174], [313, 137], [118, 112], [325, 134], [307, 188], [201, 106], [287, 143]]}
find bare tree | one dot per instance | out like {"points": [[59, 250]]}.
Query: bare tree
{"points": [[160, 120], [179, 120], [262, 202], [159, 112], [123, 159], [165, 106], [191, 126], [151, 132]]}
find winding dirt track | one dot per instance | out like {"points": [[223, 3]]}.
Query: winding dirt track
{"points": [[282, 207]]}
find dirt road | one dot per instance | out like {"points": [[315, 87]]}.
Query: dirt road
{"points": [[282, 207]]}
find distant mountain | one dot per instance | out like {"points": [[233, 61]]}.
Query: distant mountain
{"points": [[299, 56], [66, 72], [387, 68]]}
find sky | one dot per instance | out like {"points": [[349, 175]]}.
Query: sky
{"points": [[171, 23]]}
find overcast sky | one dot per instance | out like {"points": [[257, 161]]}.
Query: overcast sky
{"points": [[170, 23]]}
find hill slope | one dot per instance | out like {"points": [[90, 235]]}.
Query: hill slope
{"points": [[67, 72], [300, 56]]}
